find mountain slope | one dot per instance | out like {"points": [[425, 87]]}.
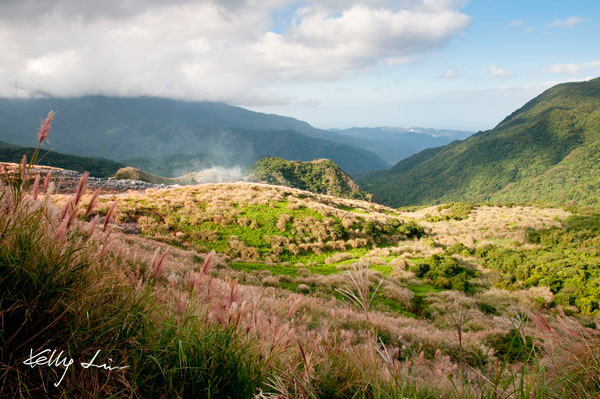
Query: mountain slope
{"points": [[546, 152], [97, 167], [396, 143], [321, 176], [145, 127]]}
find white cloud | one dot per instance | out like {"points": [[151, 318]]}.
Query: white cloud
{"points": [[571, 69], [570, 22], [450, 74], [209, 49], [518, 22], [497, 72], [53, 63]]}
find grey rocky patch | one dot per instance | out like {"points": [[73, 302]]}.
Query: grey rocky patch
{"points": [[65, 181]]}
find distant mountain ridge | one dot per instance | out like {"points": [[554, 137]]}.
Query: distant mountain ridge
{"points": [[149, 127], [546, 152], [396, 143]]}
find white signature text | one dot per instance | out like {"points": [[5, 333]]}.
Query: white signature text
{"points": [[50, 358]]}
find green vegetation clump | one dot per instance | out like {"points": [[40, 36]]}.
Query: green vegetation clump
{"points": [[452, 211], [566, 259], [444, 272], [321, 176], [512, 346], [546, 153]]}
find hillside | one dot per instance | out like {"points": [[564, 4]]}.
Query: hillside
{"points": [[320, 176], [545, 152], [97, 167], [396, 143], [280, 231], [147, 127], [345, 297]]}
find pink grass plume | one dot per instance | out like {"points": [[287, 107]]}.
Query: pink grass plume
{"points": [[47, 181], [157, 263], [45, 127], [92, 203], [109, 215], [92, 226], [208, 261], [23, 168], [36, 186], [80, 189]]}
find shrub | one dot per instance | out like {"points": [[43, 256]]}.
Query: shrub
{"points": [[511, 346]]}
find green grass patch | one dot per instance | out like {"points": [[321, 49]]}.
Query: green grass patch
{"points": [[276, 269]]}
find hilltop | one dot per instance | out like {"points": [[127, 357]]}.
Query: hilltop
{"points": [[320, 176], [546, 152]]}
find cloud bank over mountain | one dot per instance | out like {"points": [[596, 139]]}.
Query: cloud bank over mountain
{"points": [[233, 51]]}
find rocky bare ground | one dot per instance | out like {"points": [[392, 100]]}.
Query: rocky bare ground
{"points": [[65, 181]]}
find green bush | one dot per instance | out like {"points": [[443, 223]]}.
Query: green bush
{"points": [[511, 347], [444, 272], [412, 229]]}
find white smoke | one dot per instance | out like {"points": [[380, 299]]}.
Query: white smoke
{"points": [[219, 174]]}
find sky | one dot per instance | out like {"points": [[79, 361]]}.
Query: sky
{"points": [[452, 64]]}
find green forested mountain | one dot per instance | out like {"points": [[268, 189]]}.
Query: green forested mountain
{"points": [[320, 176], [97, 167], [147, 127], [546, 152]]}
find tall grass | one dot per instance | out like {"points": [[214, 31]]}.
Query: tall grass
{"points": [[66, 287]]}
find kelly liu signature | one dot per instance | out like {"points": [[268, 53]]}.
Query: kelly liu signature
{"points": [[50, 358]]}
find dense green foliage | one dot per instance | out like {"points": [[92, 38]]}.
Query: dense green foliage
{"points": [[566, 259], [546, 152], [511, 346], [444, 272], [145, 127], [97, 167], [320, 176]]}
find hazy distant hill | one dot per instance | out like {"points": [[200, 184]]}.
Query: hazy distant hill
{"points": [[147, 127], [97, 167], [396, 143], [548, 151]]}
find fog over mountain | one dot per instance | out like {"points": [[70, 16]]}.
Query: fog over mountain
{"points": [[171, 135]]}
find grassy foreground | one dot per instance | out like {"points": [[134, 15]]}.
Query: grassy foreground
{"points": [[187, 324]]}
